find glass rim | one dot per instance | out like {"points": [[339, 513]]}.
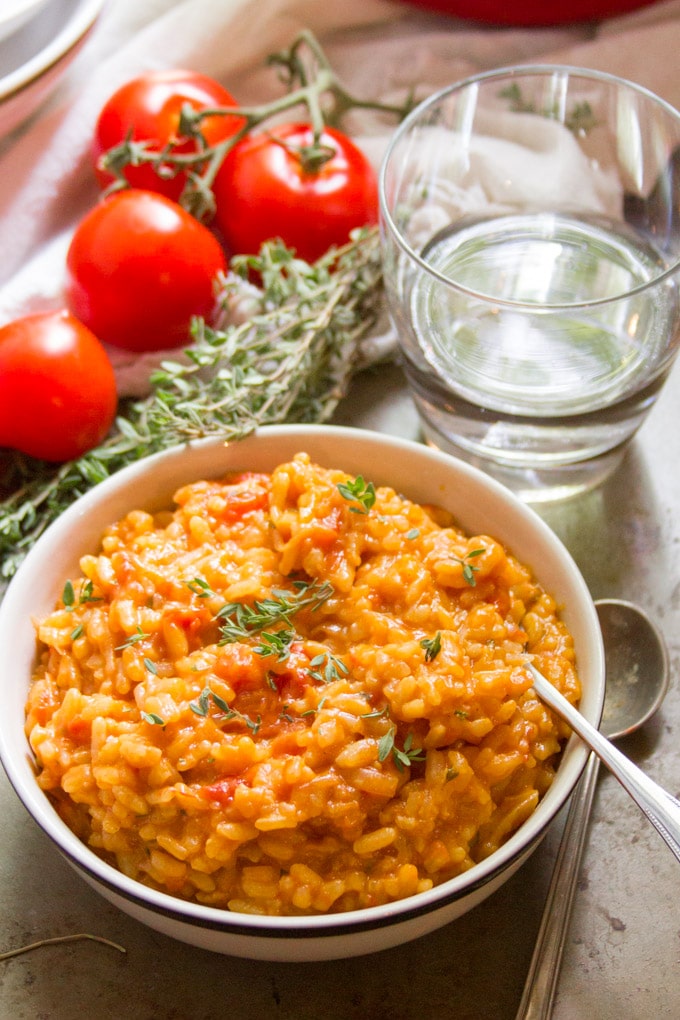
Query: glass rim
{"points": [[509, 72]]}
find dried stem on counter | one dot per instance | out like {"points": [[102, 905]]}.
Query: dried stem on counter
{"points": [[60, 940]]}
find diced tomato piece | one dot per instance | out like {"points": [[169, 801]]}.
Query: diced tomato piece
{"points": [[326, 531], [292, 676], [222, 791], [242, 667], [246, 492], [79, 730], [244, 501]]}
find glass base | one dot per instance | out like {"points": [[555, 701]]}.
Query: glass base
{"points": [[541, 483]]}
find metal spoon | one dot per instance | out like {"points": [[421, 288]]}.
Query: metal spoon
{"points": [[636, 665]]}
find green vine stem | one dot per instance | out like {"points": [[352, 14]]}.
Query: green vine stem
{"points": [[313, 86]]}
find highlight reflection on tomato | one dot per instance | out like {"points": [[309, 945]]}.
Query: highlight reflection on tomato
{"points": [[139, 268], [57, 387], [264, 190], [148, 109]]}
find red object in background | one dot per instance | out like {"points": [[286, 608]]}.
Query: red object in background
{"points": [[531, 12]]}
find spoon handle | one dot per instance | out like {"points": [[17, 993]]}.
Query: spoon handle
{"points": [[541, 983], [662, 809]]}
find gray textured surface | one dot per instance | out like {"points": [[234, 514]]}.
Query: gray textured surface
{"points": [[623, 947]]}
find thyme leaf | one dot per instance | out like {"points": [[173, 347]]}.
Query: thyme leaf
{"points": [[200, 588], [153, 719], [432, 646], [469, 569], [68, 595], [139, 635], [358, 491]]}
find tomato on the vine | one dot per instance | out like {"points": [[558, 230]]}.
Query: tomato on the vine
{"points": [[139, 268], [148, 108], [57, 387], [271, 185]]}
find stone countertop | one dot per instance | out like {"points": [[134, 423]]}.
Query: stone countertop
{"points": [[623, 948]]}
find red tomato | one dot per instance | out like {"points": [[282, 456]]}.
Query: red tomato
{"points": [[531, 12], [57, 388], [148, 109], [263, 190], [139, 268]]}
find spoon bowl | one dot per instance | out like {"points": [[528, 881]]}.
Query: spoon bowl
{"points": [[636, 666]]}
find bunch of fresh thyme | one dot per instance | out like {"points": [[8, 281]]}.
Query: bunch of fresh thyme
{"points": [[290, 361]]}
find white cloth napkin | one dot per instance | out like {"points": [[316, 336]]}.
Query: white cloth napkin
{"points": [[381, 48], [515, 161]]}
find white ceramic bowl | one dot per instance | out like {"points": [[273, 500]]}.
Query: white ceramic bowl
{"points": [[16, 13], [35, 56], [480, 506]]}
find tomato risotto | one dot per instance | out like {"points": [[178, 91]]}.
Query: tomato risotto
{"points": [[296, 693]]}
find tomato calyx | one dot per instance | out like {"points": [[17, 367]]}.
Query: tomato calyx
{"points": [[312, 157]]}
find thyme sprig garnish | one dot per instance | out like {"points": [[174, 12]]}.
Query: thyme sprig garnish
{"points": [[133, 639], [86, 594], [327, 667], [402, 757], [311, 86], [360, 492], [207, 696], [469, 569], [275, 643], [290, 362], [239, 620], [68, 598]]}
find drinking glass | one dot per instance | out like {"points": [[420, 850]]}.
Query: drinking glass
{"points": [[530, 224]]}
